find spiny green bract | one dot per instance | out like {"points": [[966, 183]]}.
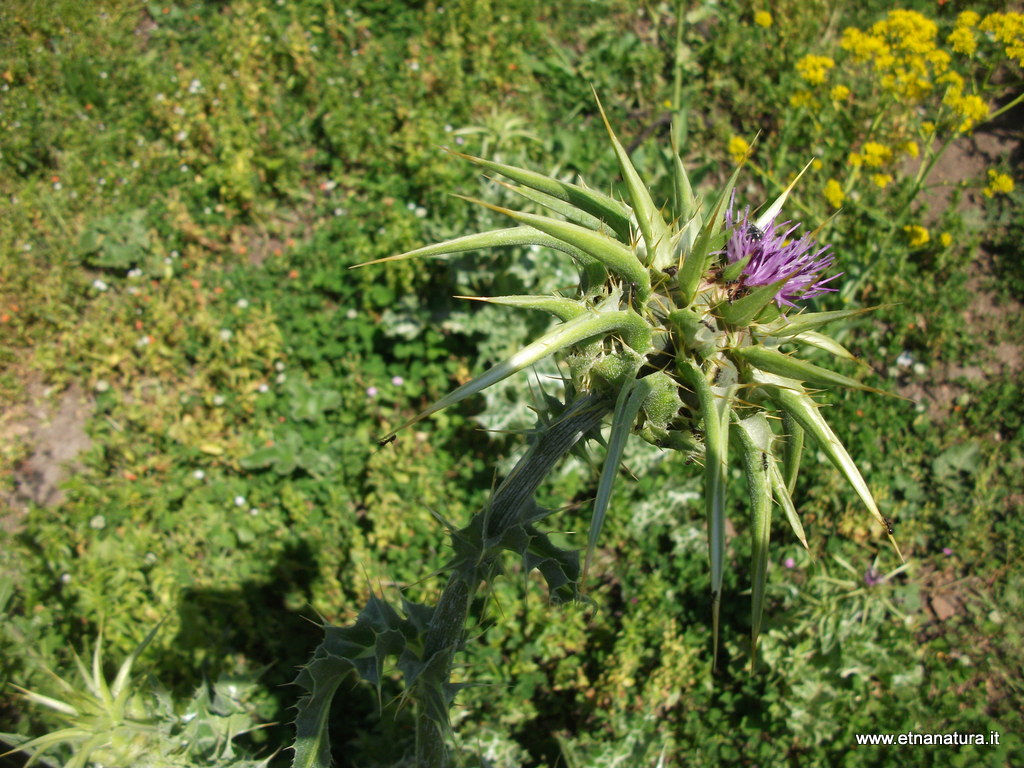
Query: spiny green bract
{"points": [[684, 333]]}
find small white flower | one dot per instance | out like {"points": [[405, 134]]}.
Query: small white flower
{"points": [[143, 341], [199, 474], [218, 400], [420, 212], [411, 206], [58, 186], [65, 578], [254, 511], [159, 97], [460, 140], [135, 163], [397, 381], [278, 366], [101, 386], [98, 522], [195, 86], [101, 181], [448, 128], [184, 168], [920, 369], [150, 558], [414, 66], [352, 314], [263, 388], [224, 334], [136, 272], [180, 136], [239, 501], [339, 211], [905, 359], [167, 259], [242, 303], [104, 75], [99, 285], [281, 378]]}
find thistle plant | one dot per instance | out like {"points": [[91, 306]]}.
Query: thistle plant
{"points": [[685, 329]]}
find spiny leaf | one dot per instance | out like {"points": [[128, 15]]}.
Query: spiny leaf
{"points": [[617, 257], [562, 308], [773, 361], [715, 407], [789, 394], [652, 225], [627, 406], [569, 211], [498, 238], [756, 441], [794, 446], [695, 264], [791, 325], [608, 209], [783, 495], [633, 328]]}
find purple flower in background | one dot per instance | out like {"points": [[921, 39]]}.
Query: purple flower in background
{"points": [[947, 551], [789, 562], [774, 255], [873, 577], [371, 391]]}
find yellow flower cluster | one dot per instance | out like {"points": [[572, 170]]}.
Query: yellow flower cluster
{"points": [[814, 69], [738, 149], [917, 235], [903, 53], [998, 184], [1007, 29], [834, 193], [763, 19]]}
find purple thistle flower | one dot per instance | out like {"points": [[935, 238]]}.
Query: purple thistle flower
{"points": [[774, 255]]}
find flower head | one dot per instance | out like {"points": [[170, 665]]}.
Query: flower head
{"points": [[772, 254]]}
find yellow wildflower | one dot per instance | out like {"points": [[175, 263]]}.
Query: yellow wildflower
{"points": [[946, 239], [738, 149], [998, 184], [962, 40], [814, 69], [1008, 29], [881, 180], [968, 19], [839, 93], [910, 148], [875, 155], [917, 235], [800, 99], [855, 160], [972, 108], [834, 193], [763, 19]]}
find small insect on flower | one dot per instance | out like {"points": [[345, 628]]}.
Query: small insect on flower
{"points": [[888, 525], [755, 233]]}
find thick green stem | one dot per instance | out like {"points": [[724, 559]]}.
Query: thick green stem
{"points": [[447, 627]]}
